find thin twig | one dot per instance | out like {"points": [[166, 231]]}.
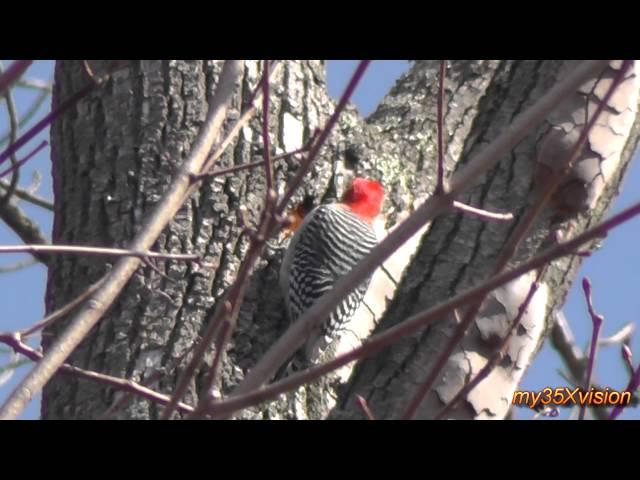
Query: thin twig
{"points": [[28, 230], [597, 327], [268, 166], [563, 341], [440, 131], [61, 312], [246, 166], [15, 166], [389, 276], [35, 84], [254, 96], [627, 357], [221, 340], [240, 400], [632, 386], [89, 70], [97, 251], [480, 213], [13, 73], [50, 117], [14, 267], [14, 341], [621, 336], [28, 196], [362, 403], [119, 276], [154, 377], [14, 122], [227, 170], [30, 113], [46, 121], [222, 320], [242, 121]]}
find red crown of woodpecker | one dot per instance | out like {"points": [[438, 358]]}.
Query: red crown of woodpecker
{"points": [[364, 198]]}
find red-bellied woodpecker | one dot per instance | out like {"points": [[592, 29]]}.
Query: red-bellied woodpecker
{"points": [[332, 239]]}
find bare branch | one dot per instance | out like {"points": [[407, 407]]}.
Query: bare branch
{"points": [[97, 251], [563, 341], [24, 227], [89, 70], [14, 267], [362, 403], [246, 166], [31, 111], [632, 386], [49, 118], [621, 336], [597, 327], [268, 166], [480, 213], [14, 341], [13, 135], [627, 356], [35, 84], [28, 196], [62, 311], [440, 130], [13, 73], [15, 166], [154, 377]]}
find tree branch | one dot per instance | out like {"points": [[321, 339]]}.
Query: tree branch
{"points": [[24, 194], [13, 73], [13, 340], [597, 327], [24, 227], [97, 251]]}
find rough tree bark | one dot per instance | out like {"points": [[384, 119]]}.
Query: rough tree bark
{"points": [[114, 155]]}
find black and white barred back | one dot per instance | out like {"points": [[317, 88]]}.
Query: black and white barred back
{"points": [[330, 242]]}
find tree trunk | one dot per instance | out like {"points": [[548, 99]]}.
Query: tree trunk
{"points": [[115, 153]]}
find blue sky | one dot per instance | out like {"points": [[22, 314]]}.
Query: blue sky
{"points": [[612, 270]]}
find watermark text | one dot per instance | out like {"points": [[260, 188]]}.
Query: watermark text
{"points": [[567, 397]]}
